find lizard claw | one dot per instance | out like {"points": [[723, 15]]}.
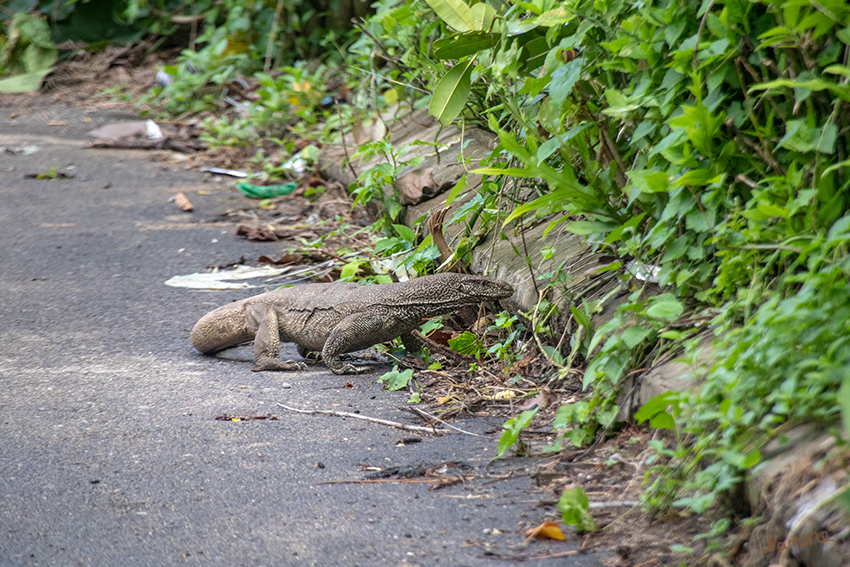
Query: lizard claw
{"points": [[350, 369], [276, 364]]}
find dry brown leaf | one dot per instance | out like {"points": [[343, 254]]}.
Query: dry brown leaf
{"points": [[542, 400], [445, 482], [183, 203]]}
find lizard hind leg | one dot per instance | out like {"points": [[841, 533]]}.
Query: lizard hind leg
{"points": [[263, 319]]}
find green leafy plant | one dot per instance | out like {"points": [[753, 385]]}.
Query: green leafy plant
{"points": [[27, 52], [395, 380], [377, 183], [222, 132], [293, 94], [706, 144], [505, 350], [785, 366], [513, 427], [469, 344], [573, 506], [198, 81]]}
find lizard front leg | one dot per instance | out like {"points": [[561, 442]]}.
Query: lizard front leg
{"points": [[353, 333], [411, 344], [262, 319]]}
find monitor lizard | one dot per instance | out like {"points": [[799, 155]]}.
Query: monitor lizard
{"points": [[337, 318]]}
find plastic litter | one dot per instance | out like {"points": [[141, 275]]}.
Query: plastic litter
{"points": [[220, 171], [225, 280], [114, 132], [20, 150], [266, 191], [163, 79], [296, 165], [643, 272]]}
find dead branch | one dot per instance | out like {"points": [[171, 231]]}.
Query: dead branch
{"points": [[371, 419]]}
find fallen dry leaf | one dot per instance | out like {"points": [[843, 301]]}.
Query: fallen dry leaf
{"points": [[542, 400], [257, 233], [440, 336], [274, 233], [546, 530], [445, 482], [183, 202]]}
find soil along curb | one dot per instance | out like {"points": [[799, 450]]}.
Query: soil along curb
{"points": [[785, 489]]}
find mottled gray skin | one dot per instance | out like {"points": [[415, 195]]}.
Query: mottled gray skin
{"points": [[337, 318]]}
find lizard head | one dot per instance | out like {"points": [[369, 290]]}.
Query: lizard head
{"points": [[478, 288], [435, 295]]}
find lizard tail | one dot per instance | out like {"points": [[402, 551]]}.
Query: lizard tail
{"points": [[219, 329]]}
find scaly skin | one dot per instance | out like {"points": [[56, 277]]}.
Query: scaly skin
{"points": [[337, 318]]}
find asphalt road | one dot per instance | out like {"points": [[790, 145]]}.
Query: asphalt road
{"points": [[110, 453]]}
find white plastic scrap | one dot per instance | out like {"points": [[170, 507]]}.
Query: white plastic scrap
{"points": [[153, 130], [220, 171], [163, 79], [224, 280], [20, 150], [296, 164]]}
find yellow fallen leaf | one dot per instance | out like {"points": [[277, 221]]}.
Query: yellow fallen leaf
{"points": [[546, 530], [505, 395], [445, 400]]}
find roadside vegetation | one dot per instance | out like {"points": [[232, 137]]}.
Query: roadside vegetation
{"points": [[705, 146]]}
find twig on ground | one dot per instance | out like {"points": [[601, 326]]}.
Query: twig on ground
{"points": [[395, 424], [384, 481], [428, 416]]}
